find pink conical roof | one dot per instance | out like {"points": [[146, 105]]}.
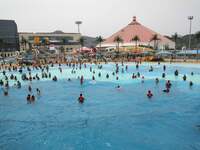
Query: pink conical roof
{"points": [[136, 29]]}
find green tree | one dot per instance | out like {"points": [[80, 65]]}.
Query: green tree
{"points": [[64, 40], [175, 37], [155, 39], [23, 42], [62, 49], [2, 45], [30, 46], [135, 39], [82, 41], [99, 40], [43, 42], [1, 42], [197, 35], [118, 40]]}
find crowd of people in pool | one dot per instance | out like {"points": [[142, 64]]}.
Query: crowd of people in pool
{"points": [[26, 76]]}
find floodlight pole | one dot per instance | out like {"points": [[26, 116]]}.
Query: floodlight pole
{"points": [[190, 18], [78, 23]]}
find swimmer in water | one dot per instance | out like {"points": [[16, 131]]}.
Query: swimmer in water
{"points": [[166, 90], [81, 98], [33, 98], [168, 84], [163, 75], [93, 78], [157, 80], [142, 79], [164, 68], [28, 98], [54, 78], [99, 74], [18, 84], [184, 78], [149, 94], [1, 82], [5, 92], [107, 76], [118, 87], [38, 91], [29, 88], [176, 73], [137, 66], [191, 83], [81, 80], [151, 69], [133, 76]]}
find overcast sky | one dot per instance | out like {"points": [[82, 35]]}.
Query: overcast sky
{"points": [[101, 17]]}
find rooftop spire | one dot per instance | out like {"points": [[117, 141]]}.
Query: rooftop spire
{"points": [[134, 22], [134, 18]]}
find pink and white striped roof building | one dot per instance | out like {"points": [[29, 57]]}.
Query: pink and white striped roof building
{"points": [[145, 35]]}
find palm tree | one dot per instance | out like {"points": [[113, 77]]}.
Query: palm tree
{"points": [[118, 40], [62, 49], [1, 42], [30, 46], [43, 42], [82, 41], [23, 42], [197, 35], [99, 40], [175, 37], [155, 39], [2, 45], [64, 40], [135, 39]]}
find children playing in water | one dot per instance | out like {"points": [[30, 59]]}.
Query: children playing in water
{"points": [[30, 99], [115, 74]]}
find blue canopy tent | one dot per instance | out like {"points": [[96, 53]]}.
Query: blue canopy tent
{"points": [[188, 52], [164, 53]]}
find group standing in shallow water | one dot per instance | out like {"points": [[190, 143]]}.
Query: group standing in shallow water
{"points": [[45, 73]]}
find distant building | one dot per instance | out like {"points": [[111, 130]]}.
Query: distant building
{"points": [[144, 34], [9, 39], [90, 42], [57, 39]]}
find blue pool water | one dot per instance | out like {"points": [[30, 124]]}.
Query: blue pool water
{"points": [[109, 118]]}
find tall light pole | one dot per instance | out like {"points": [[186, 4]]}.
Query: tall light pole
{"points": [[190, 18], [78, 23]]}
